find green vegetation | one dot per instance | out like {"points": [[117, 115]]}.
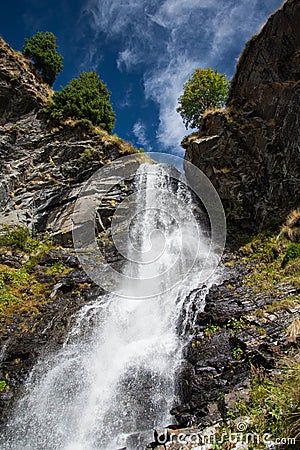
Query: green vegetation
{"points": [[274, 405], [237, 353], [205, 89], [211, 329], [86, 97], [236, 324], [57, 269], [3, 386], [292, 252], [42, 50], [271, 412], [19, 238], [275, 261], [23, 286]]}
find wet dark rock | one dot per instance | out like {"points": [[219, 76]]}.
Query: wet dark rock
{"points": [[227, 402], [10, 261], [67, 258], [237, 328], [250, 152]]}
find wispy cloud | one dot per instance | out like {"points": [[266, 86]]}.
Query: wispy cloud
{"points": [[91, 59], [139, 130], [168, 39], [126, 59], [165, 90]]}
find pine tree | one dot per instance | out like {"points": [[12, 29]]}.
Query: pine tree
{"points": [[86, 97], [42, 50]]}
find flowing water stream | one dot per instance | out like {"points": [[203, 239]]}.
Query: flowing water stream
{"points": [[113, 381]]}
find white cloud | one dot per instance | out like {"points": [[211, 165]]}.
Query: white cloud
{"points": [[165, 90], [126, 100], [168, 39], [91, 59], [126, 59], [139, 130]]}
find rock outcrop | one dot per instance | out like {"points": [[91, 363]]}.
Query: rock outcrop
{"points": [[250, 150], [240, 327], [42, 172], [43, 168], [22, 89]]}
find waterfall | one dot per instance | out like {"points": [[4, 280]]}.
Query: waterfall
{"points": [[113, 380]]}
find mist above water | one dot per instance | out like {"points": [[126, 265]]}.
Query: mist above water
{"points": [[113, 381]]}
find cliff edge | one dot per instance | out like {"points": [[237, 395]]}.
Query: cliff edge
{"points": [[43, 169], [250, 150], [22, 89]]}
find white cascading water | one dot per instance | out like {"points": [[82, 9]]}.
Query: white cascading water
{"points": [[113, 380]]}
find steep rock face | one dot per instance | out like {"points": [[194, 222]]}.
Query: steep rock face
{"points": [[239, 328], [42, 172], [22, 89], [43, 168], [250, 151]]}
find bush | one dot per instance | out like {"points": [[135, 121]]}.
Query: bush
{"points": [[19, 238], [292, 252], [42, 50], [205, 89], [86, 97]]}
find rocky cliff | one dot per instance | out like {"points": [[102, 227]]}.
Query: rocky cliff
{"points": [[43, 169], [250, 150], [22, 89]]}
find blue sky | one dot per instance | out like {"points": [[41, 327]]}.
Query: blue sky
{"points": [[144, 50]]}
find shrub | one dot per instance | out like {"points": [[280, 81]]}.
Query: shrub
{"points": [[3, 385], [86, 97], [19, 237], [42, 50], [205, 89], [292, 252]]}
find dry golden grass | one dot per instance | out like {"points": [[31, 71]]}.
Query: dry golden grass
{"points": [[291, 228]]}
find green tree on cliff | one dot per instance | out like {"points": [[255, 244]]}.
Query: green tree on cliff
{"points": [[205, 89], [42, 50], [86, 97]]}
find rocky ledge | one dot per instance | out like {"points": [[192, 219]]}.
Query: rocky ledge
{"points": [[22, 89]]}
